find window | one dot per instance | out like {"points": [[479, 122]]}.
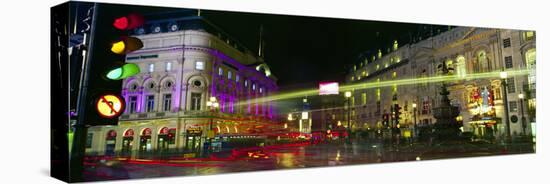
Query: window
{"points": [[461, 66], [220, 71], [528, 35], [261, 90], [425, 107], [229, 75], [167, 102], [253, 87], [513, 105], [151, 67], [237, 78], [511, 85], [506, 43], [199, 65], [195, 101], [245, 83], [89, 138], [364, 98], [150, 103], [168, 66], [508, 62], [132, 104]]}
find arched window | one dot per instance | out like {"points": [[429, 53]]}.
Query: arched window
{"points": [[460, 66]]}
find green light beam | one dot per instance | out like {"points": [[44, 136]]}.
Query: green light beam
{"points": [[400, 82]]}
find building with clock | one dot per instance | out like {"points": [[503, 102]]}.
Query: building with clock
{"points": [[196, 84]]}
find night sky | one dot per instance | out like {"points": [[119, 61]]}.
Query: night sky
{"points": [[305, 50]]}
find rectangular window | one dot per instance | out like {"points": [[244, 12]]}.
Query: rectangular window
{"points": [[220, 71], [364, 98], [167, 102], [168, 66], [425, 107], [195, 101], [237, 78], [506, 42], [199, 65], [511, 85], [508, 62], [151, 67], [229, 75], [132, 104], [513, 105], [89, 139], [150, 103]]}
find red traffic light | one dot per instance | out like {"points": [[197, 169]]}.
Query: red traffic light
{"points": [[129, 21]]}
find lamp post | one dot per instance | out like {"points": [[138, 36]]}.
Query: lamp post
{"points": [[213, 104], [503, 77], [523, 126], [348, 95], [414, 117]]}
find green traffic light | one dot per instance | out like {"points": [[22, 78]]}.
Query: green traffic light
{"points": [[123, 72]]}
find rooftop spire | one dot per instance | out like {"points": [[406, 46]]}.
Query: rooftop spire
{"points": [[261, 42]]}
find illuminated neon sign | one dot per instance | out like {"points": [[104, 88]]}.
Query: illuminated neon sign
{"points": [[328, 88]]}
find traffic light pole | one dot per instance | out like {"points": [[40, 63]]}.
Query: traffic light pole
{"points": [[76, 158]]}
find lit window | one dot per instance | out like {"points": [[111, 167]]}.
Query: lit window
{"points": [[261, 90], [229, 74], [199, 65], [220, 71], [168, 66], [253, 86], [151, 67], [513, 106], [245, 83], [237, 78]]}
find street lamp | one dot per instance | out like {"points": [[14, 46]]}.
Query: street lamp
{"points": [[523, 126], [213, 104], [414, 116], [503, 77], [348, 95]]}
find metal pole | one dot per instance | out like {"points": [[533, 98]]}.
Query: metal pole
{"points": [[349, 120], [77, 152], [415, 127], [523, 126], [505, 103]]}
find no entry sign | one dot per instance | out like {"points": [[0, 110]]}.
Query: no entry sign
{"points": [[109, 106]]}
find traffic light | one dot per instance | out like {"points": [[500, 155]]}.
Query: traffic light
{"points": [[110, 43], [385, 119], [397, 113]]}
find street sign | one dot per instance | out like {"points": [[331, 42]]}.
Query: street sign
{"points": [[109, 106]]}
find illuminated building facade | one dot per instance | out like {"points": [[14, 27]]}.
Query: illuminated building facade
{"points": [[467, 51], [187, 64]]}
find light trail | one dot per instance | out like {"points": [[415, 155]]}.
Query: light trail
{"points": [[389, 83]]}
